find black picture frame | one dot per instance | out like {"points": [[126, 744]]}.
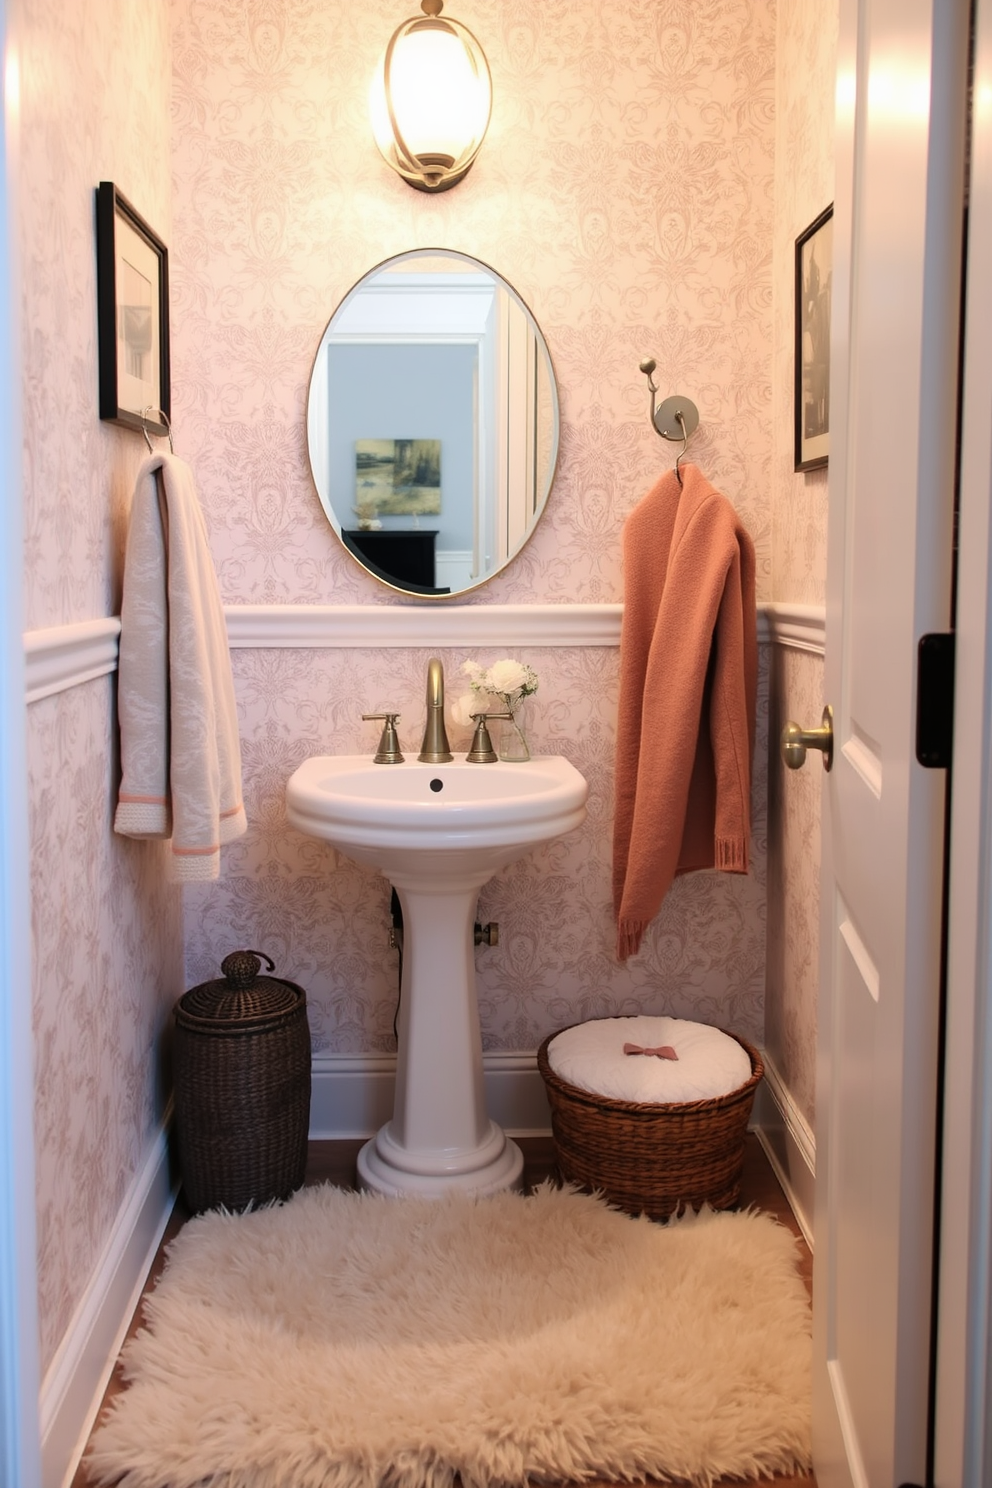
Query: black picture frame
{"points": [[132, 265], [814, 285]]}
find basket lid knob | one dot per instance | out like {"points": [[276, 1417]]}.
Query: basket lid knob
{"points": [[241, 995], [242, 967]]}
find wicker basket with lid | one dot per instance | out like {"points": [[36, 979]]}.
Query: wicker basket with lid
{"points": [[651, 1159], [242, 1086]]}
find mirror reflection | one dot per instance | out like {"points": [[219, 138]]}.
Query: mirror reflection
{"points": [[432, 422]]}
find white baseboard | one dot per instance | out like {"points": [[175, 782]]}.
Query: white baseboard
{"points": [[77, 1377], [789, 1144], [351, 1095]]}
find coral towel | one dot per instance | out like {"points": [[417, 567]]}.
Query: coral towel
{"points": [[179, 734], [688, 684]]}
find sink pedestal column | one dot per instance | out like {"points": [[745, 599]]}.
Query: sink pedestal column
{"points": [[440, 1137]]}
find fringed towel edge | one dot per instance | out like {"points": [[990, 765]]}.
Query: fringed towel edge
{"points": [[629, 933], [730, 854]]}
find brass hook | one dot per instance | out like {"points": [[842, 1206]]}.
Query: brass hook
{"points": [[165, 419], [675, 410], [685, 440]]}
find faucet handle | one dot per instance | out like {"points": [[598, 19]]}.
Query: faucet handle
{"points": [[482, 751], [388, 752]]}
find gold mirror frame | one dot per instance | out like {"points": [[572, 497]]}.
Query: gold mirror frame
{"points": [[511, 389]]}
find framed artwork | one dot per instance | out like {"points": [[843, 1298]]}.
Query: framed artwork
{"points": [[132, 279], [814, 275], [397, 478]]}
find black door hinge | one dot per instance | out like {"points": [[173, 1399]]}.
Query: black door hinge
{"points": [[935, 700]]}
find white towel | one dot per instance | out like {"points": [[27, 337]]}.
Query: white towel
{"points": [[180, 755]]}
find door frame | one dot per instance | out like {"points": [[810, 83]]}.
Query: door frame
{"points": [[963, 1437], [20, 1457]]}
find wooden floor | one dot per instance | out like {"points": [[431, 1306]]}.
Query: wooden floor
{"points": [[334, 1162]]}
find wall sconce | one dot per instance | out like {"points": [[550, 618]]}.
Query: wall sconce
{"points": [[431, 99]]}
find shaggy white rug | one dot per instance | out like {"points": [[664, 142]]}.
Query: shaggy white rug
{"points": [[344, 1340]]}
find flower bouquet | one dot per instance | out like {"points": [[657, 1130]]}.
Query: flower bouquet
{"points": [[510, 682]]}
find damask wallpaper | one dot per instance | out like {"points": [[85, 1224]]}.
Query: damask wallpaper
{"points": [[625, 189], [628, 189], [107, 941], [804, 174], [806, 60], [325, 921], [94, 105], [106, 930], [796, 688]]}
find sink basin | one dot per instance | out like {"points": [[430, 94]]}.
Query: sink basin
{"points": [[437, 832], [381, 814]]}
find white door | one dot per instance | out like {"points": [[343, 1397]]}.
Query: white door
{"points": [[897, 229]]}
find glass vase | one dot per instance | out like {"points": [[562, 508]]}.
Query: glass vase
{"points": [[512, 740]]}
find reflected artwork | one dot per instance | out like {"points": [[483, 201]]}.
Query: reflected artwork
{"points": [[398, 477]]}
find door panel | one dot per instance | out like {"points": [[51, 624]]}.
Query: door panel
{"points": [[893, 352]]}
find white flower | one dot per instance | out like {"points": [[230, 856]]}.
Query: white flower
{"points": [[507, 679], [507, 676]]}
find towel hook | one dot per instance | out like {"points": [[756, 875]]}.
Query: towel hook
{"points": [[165, 420], [675, 418]]}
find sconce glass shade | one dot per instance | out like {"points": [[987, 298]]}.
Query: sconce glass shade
{"points": [[431, 99]]}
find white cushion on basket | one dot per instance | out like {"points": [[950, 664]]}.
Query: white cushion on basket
{"points": [[590, 1055]]}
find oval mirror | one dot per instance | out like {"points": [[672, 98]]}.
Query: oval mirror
{"points": [[432, 422]]}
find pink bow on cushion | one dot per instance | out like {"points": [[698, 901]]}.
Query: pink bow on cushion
{"points": [[664, 1051]]}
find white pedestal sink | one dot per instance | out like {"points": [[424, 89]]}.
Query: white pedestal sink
{"points": [[437, 832]]}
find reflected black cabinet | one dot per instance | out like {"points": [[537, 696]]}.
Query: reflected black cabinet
{"points": [[407, 557]]}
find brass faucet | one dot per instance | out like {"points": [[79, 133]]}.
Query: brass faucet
{"points": [[434, 750]]}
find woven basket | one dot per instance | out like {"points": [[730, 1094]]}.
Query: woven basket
{"points": [[241, 1063], [651, 1159]]}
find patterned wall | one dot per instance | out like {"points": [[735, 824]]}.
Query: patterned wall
{"points": [[626, 190], [106, 973], [325, 921], [804, 173], [796, 687], [807, 44], [106, 931]]}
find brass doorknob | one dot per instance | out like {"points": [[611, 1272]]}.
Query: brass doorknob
{"points": [[795, 741]]}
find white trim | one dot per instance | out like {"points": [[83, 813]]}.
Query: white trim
{"points": [[19, 1451], [75, 1381], [399, 626], [433, 624], [789, 1144], [964, 1358], [352, 1094], [800, 626], [62, 656]]}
